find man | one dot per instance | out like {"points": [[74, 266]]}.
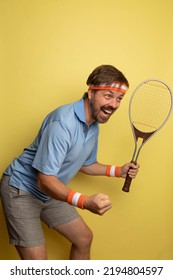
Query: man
{"points": [[34, 186]]}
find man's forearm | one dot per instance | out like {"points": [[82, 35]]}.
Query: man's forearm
{"points": [[95, 169], [52, 187]]}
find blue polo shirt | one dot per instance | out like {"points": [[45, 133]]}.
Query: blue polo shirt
{"points": [[63, 145]]}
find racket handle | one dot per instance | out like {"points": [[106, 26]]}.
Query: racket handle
{"points": [[127, 183]]}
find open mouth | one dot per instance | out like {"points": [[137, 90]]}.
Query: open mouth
{"points": [[107, 111]]}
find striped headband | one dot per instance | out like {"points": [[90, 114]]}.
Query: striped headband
{"points": [[114, 86]]}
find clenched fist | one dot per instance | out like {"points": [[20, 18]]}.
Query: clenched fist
{"points": [[97, 203]]}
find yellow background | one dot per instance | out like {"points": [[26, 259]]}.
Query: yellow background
{"points": [[47, 50]]}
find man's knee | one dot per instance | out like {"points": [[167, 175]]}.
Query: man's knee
{"points": [[85, 239]]}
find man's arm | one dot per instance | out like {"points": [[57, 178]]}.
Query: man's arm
{"points": [[98, 169], [95, 169], [50, 185]]}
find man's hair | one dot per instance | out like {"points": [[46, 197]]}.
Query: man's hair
{"points": [[105, 74]]}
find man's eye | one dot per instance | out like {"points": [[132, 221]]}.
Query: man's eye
{"points": [[108, 96], [119, 99]]}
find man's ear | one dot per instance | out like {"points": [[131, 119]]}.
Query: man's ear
{"points": [[90, 94]]}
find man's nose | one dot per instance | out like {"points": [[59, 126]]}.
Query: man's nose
{"points": [[113, 103]]}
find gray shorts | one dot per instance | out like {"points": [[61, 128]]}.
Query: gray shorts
{"points": [[24, 213]]}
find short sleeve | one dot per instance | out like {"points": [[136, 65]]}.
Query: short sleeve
{"points": [[52, 148]]}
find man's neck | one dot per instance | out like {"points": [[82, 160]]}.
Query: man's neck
{"points": [[88, 116]]}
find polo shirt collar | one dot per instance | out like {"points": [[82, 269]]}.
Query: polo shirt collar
{"points": [[79, 110]]}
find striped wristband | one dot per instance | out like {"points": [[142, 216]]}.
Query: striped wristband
{"points": [[113, 171], [76, 199]]}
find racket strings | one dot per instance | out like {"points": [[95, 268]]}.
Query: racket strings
{"points": [[150, 106]]}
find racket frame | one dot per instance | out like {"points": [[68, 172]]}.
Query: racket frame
{"points": [[145, 136]]}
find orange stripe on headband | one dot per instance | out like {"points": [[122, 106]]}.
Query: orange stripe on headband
{"points": [[115, 86]]}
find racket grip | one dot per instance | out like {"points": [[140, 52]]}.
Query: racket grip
{"points": [[127, 183]]}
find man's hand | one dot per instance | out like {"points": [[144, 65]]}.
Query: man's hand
{"points": [[131, 169], [97, 203]]}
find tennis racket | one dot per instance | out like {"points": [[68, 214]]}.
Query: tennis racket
{"points": [[149, 109]]}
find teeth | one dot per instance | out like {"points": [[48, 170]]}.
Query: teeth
{"points": [[107, 111]]}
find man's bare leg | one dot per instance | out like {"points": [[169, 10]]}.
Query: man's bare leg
{"points": [[32, 253], [79, 234]]}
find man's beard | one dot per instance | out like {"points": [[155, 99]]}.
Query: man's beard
{"points": [[101, 114]]}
